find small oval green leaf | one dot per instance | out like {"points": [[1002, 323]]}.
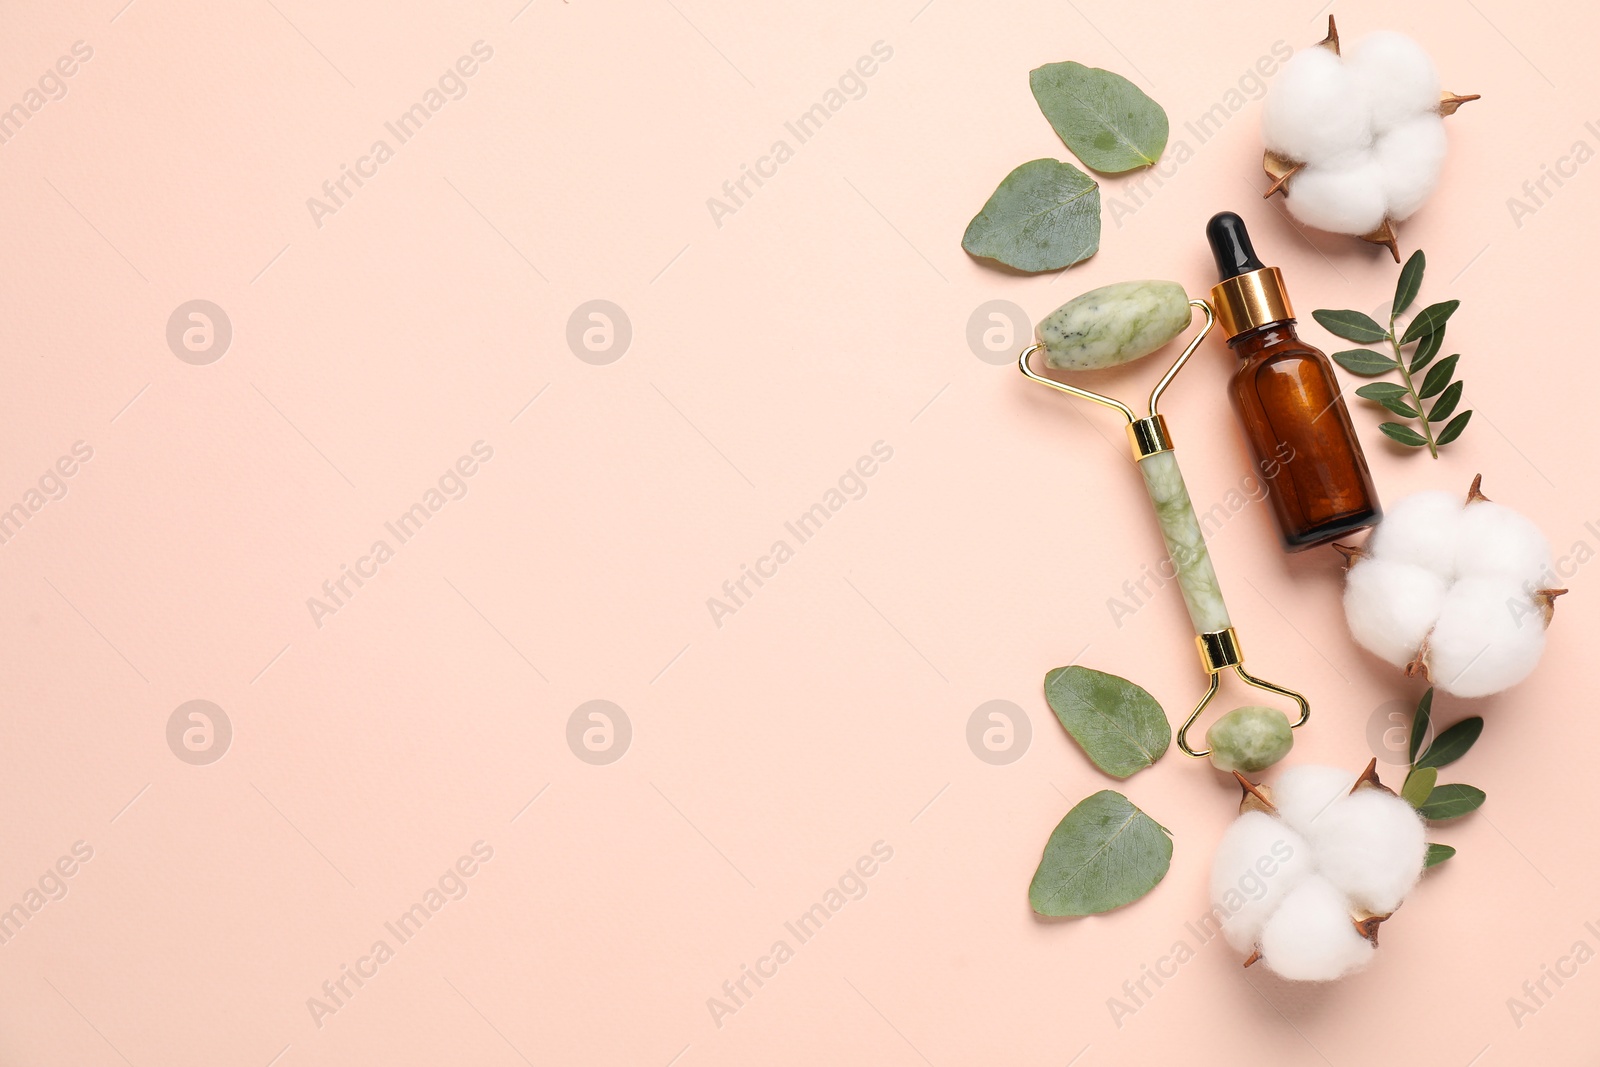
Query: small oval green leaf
{"points": [[1045, 215], [1105, 119], [1104, 854], [1119, 725], [1429, 319], [1381, 391], [1426, 349], [1420, 724], [1364, 362], [1451, 802], [1437, 854], [1403, 434], [1454, 427], [1446, 403], [1351, 325], [1410, 281], [1419, 783], [1453, 743], [1439, 376]]}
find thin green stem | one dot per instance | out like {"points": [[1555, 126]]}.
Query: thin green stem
{"points": [[1411, 391]]}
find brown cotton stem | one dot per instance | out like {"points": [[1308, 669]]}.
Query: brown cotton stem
{"points": [[1367, 926], [1352, 554], [1475, 490], [1449, 102], [1546, 599], [1418, 667], [1384, 235], [1255, 797], [1369, 779], [1331, 42], [1256, 955]]}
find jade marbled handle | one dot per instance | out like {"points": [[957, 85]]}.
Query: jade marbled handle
{"points": [[1185, 544]]}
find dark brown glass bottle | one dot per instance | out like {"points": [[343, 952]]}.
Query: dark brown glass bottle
{"points": [[1288, 401]]}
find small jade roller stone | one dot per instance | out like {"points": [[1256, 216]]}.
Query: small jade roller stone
{"points": [[1287, 399]]}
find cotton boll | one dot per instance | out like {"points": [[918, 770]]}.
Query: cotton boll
{"points": [[1301, 794], [1315, 110], [1411, 155], [1494, 540], [1489, 637], [1311, 937], [1396, 76], [1257, 863], [1422, 529], [1344, 197], [1390, 607], [1370, 845]]}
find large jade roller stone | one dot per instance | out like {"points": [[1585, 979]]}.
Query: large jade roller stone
{"points": [[1114, 324]]}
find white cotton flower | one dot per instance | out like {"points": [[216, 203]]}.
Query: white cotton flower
{"points": [[1458, 589], [1304, 792], [1488, 637], [1344, 196], [1291, 883], [1392, 606], [1365, 125], [1258, 861], [1395, 74], [1410, 157], [1311, 937], [1370, 844], [1316, 110]]}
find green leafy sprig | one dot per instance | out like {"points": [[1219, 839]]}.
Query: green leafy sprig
{"points": [[1435, 802], [1406, 397]]}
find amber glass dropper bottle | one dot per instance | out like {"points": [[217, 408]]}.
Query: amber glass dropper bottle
{"points": [[1287, 398]]}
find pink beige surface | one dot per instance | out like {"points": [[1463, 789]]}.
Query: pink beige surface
{"points": [[406, 743]]}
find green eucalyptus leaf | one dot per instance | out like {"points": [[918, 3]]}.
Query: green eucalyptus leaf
{"points": [[1364, 362], [1451, 802], [1399, 406], [1419, 783], [1446, 403], [1439, 376], [1426, 349], [1419, 724], [1045, 215], [1453, 743], [1410, 282], [1119, 725], [1404, 434], [1437, 854], [1105, 119], [1429, 320], [1453, 428], [1351, 325], [1104, 854], [1381, 391]]}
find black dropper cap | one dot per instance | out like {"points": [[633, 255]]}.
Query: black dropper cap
{"points": [[1230, 244]]}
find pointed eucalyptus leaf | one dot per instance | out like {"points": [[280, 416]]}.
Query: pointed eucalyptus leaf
{"points": [[1364, 362], [1453, 428], [1419, 783], [1105, 119], [1119, 725], [1420, 724], [1045, 215], [1399, 406], [1104, 854], [1429, 320], [1453, 743], [1381, 391], [1439, 376], [1351, 325], [1410, 282], [1437, 854], [1404, 434], [1446, 403], [1451, 802]]}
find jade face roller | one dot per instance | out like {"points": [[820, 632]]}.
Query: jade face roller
{"points": [[1117, 324]]}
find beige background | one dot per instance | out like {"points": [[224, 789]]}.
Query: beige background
{"points": [[768, 354]]}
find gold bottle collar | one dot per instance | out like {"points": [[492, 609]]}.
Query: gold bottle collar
{"points": [[1249, 300]]}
